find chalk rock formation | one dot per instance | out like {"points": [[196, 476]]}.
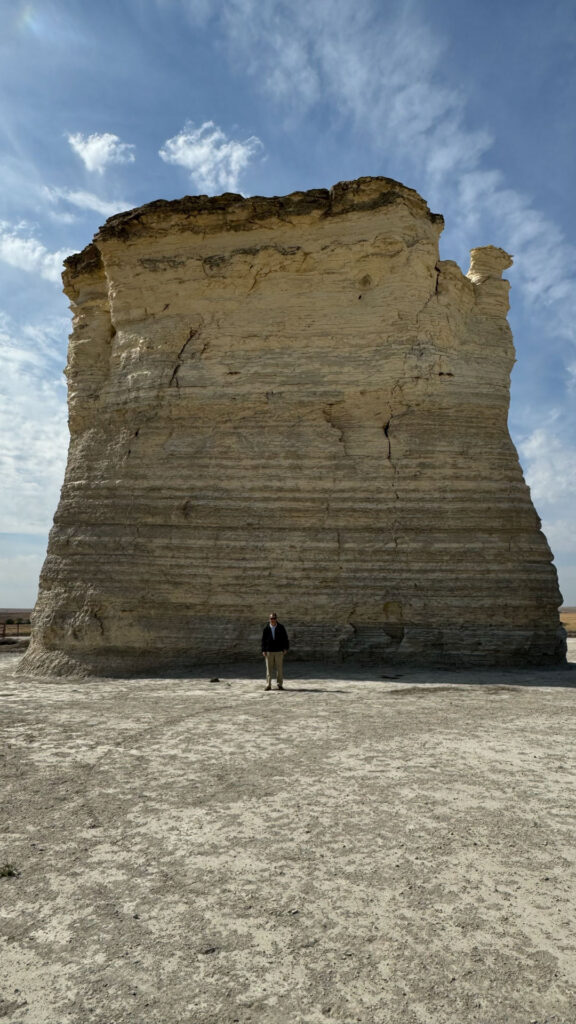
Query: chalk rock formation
{"points": [[291, 403]]}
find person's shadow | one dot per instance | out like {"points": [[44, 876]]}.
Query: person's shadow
{"points": [[309, 689]]}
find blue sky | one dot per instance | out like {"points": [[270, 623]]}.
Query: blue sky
{"points": [[109, 105]]}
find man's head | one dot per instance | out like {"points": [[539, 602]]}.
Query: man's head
{"points": [[272, 619]]}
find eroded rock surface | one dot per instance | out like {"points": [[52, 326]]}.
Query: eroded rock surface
{"points": [[291, 402]]}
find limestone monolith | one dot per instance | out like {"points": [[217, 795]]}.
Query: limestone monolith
{"points": [[291, 403]]}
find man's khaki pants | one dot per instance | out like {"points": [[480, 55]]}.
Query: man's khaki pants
{"points": [[274, 660]]}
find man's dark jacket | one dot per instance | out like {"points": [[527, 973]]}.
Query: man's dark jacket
{"points": [[277, 643]]}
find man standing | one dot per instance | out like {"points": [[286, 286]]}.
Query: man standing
{"points": [[274, 646]]}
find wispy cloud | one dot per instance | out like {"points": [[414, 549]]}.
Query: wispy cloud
{"points": [[545, 261], [97, 151], [215, 162], [561, 534], [549, 460], [385, 75], [83, 200], [32, 422], [549, 463], [20, 249]]}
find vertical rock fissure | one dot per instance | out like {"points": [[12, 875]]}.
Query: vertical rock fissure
{"points": [[395, 522], [432, 296], [174, 382]]}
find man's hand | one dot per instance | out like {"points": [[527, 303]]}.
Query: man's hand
{"points": [[264, 653]]}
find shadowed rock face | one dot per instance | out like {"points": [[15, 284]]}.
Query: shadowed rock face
{"points": [[291, 402]]}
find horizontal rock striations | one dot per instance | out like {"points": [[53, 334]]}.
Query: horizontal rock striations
{"points": [[290, 403]]}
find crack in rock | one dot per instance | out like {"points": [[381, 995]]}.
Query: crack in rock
{"points": [[174, 382]]}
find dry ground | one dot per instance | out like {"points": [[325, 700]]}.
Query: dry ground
{"points": [[354, 849], [568, 619]]}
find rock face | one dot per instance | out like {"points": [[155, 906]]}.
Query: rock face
{"points": [[291, 403]]}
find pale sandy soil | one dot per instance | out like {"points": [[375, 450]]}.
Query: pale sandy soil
{"points": [[351, 850]]}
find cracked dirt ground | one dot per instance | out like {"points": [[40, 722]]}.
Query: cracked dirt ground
{"points": [[395, 851]]}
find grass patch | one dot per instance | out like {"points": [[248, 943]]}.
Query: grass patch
{"points": [[8, 871]]}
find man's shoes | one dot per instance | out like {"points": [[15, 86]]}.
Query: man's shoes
{"points": [[280, 686], [269, 687]]}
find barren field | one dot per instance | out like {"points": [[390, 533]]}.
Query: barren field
{"points": [[354, 849], [568, 619]]}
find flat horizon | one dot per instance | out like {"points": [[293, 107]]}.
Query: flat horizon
{"points": [[28, 611]]}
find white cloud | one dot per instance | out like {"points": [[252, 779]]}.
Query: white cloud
{"points": [[383, 73], [550, 470], [97, 151], [550, 467], [561, 534], [32, 422], [567, 579], [21, 250], [85, 200], [214, 161], [386, 75], [545, 262]]}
